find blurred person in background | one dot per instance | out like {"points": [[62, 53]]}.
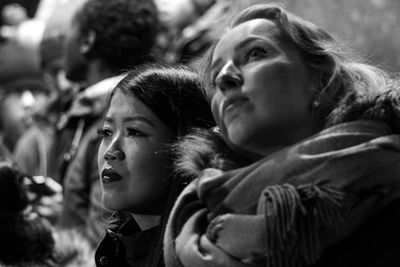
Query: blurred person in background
{"points": [[22, 92], [193, 26], [106, 39], [33, 149], [26, 237], [175, 16]]}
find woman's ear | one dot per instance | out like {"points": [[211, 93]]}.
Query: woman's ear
{"points": [[87, 42], [316, 79], [316, 85]]}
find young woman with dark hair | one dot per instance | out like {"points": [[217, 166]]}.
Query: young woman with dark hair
{"points": [[152, 107]]}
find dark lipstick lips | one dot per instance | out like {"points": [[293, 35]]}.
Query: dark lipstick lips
{"points": [[109, 176]]}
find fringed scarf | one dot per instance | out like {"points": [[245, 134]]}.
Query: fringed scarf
{"points": [[287, 209]]}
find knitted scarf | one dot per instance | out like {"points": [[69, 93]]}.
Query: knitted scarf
{"points": [[289, 208]]}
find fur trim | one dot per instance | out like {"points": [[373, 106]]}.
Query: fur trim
{"points": [[202, 149]]}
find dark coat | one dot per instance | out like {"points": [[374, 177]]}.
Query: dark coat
{"points": [[124, 234]]}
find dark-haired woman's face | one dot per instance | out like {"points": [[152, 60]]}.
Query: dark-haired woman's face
{"points": [[261, 99], [133, 163]]}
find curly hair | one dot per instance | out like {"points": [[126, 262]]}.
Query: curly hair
{"points": [[349, 88], [125, 30]]}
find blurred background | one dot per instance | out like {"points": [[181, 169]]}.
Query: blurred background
{"points": [[371, 27]]}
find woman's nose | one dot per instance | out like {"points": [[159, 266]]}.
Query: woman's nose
{"points": [[114, 154], [229, 77]]}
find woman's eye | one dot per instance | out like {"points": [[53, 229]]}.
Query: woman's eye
{"points": [[256, 53], [212, 84], [135, 132], [103, 132]]}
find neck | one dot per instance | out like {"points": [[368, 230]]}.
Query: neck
{"points": [[97, 71], [267, 146], [146, 221]]}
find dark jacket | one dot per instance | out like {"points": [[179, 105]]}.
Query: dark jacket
{"points": [[123, 240]]}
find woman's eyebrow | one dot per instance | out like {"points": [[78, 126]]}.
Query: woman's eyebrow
{"points": [[250, 39], [108, 119], [138, 118], [216, 63], [240, 46]]}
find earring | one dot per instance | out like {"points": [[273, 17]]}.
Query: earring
{"points": [[315, 103], [216, 130]]}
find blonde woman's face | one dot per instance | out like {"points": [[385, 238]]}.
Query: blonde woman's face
{"points": [[133, 162], [262, 95]]}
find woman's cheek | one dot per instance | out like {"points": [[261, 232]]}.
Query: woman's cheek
{"points": [[215, 109], [100, 156]]}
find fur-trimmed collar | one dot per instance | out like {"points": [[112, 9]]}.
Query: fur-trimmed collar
{"points": [[202, 149]]}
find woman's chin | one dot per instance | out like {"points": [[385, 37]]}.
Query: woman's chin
{"points": [[238, 136], [110, 202]]}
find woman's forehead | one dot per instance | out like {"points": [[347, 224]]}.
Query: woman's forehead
{"points": [[249, 29], [128, 104]]}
